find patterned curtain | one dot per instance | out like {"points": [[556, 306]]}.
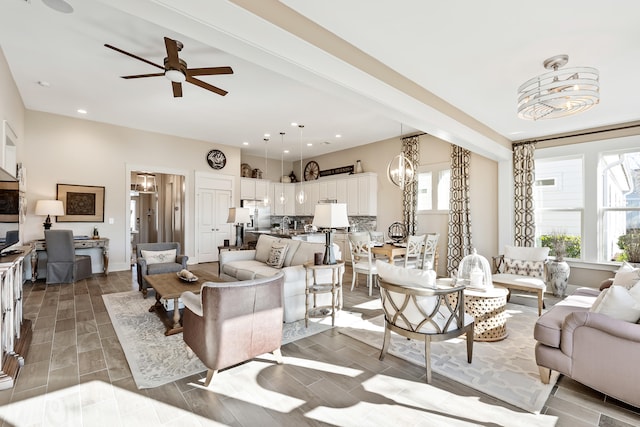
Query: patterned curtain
{"points": [[523, 180], [459, 234], [411, 150]]}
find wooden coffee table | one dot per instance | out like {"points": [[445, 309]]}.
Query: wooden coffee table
{"points": [[169, 287]]}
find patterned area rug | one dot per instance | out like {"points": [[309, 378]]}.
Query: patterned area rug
{"points": [[155, 359], [503, 369]]}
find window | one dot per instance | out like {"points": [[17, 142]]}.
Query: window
{"points": [[559, 201], [433, 187], [619, 205]]}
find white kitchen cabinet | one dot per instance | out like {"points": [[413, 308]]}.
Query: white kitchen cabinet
{"points": [[352, 196], [362, 194], [253, 189], [289, 207]]}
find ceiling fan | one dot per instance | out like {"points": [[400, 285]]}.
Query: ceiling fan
{"points": [[175, 69]]}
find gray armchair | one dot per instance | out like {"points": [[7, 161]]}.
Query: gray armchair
{"points": [[231, 322], [63, 265], [147, 267]]}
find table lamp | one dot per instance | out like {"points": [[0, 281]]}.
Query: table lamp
{"points": [[239, 217], [48, 208], [329, 216]]}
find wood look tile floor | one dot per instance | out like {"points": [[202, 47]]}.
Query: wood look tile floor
{"points": [[76, 374]]}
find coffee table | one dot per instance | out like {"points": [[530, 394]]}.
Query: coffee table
{"points": [[169, 286]]}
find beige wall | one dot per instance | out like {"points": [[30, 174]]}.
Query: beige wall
{"points": [[484, 183], [64, 150]]}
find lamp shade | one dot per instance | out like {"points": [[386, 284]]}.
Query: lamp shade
{"points": [[49, 207], [331, 215], [239, 216]]}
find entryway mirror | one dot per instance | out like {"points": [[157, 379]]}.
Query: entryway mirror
{"points": [[157, 209]]}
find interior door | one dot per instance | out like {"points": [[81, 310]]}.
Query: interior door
{"points": [[212, 222]]}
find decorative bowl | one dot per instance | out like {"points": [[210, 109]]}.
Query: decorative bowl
{"points": [[188, 280]]}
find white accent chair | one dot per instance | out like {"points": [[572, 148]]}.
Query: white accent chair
{"points": [[362, 260], [522, 269], [416, 309]]}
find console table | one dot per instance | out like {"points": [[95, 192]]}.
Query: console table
{"points": [[15, 331], [102, 243]]}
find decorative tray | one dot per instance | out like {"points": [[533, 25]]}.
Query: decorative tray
{"points": [[193, 279]]}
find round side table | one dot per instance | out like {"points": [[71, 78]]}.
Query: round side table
{"points": [[487, 308], [314, 288]]}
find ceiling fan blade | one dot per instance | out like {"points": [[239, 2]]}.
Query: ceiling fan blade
{"points": [[133, 56], [210, 71], [206, 86], [139, 76], [177, 89], [172, 53]]}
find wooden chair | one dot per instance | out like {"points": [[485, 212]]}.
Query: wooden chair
{"points": [[429, 254], [412, 259], [362, 260]]}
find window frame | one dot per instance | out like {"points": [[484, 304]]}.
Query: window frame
{"points": [[435, 169]]}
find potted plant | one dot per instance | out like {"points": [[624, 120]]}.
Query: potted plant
{"points": [[630, 244]]}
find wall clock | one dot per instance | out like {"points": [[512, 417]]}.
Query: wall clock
{"points": [[216, 159], [311, 171]]}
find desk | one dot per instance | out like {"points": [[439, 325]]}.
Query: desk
{"points": [[389, 250], [40, 245]]}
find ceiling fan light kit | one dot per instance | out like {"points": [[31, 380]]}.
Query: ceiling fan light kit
{"points": [[176, 70], [559, 93]]}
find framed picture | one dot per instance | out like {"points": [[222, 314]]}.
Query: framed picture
{"points": [[82, 203], [9, 201]]}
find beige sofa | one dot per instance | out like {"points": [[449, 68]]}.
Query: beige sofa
{"points": [[252, 264], [595, 349]]}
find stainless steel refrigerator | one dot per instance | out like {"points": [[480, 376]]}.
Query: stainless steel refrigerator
{"points": [[260, 215]]}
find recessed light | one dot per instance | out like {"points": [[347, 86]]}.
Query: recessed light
{"points": [[338, 136], [267, 135], [44, 83], [245, 143], [82, 111], [294, 124], [286, 151], [309, 144]]}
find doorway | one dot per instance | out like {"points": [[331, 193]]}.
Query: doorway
{"points": [[156, 209]]}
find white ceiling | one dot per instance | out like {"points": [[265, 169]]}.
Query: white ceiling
{"points": [[358, 68]]}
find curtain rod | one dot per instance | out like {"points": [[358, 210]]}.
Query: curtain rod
{"points": [[413, 136], [593, 132]]}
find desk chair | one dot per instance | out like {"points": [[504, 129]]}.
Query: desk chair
{"points": [[63, 265]]}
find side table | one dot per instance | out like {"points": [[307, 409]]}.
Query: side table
{"points": [[227, 248], [315, 288], [487, 308]]}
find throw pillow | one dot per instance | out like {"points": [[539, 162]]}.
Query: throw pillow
{"points": [[596, 304], [619, 303], [277, 254], [159, 257], [401, 276], [523, 267], [626, 276]]}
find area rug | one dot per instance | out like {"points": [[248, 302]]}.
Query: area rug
{"points": [[156, 359], [503, 369]]}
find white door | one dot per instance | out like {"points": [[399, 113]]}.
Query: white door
{"points": [[213, 210]]}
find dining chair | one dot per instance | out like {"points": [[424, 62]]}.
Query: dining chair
{"points": [[412, 259], [362, 261], [429, 252], [377, 238]]}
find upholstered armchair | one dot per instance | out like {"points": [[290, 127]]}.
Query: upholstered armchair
{"points": [[63, 265], [416, 308], [522, 269], [231, 322], [158, 258]]}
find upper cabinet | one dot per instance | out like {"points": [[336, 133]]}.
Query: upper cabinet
{"points": [[361, 194], [254, 189]]}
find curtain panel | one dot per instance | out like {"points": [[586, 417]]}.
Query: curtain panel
{"points": [[411, 150], [459, 233], [524, 232]]}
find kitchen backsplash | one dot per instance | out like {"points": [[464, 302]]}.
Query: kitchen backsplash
{"points": [[358, 223]]}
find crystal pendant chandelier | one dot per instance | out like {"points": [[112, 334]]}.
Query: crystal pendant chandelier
{"points": [[400, 170], [282, 199], [559, 93], [301, 197]]}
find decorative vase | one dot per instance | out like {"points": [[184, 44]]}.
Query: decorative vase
{"points": [[358, 166], [558, 277]]}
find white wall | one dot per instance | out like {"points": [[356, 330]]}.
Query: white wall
{"points": [[64, 150]]}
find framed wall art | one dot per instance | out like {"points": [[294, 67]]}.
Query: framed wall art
{"points": [[82, 203]]}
